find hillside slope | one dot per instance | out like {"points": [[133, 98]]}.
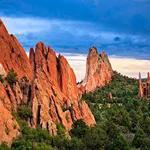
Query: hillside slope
{"points": [[122, 122]]}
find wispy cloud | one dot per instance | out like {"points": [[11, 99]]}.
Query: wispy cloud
{"points": [[26, 25]]}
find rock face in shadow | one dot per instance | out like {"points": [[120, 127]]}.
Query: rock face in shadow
{"points": [[98, 71]]}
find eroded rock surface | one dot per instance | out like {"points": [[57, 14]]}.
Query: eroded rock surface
{"points": [[55, 96], [9, 128], [47, 84], [98, 71], [12, 54]]}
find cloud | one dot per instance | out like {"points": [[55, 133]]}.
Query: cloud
{"points": [[117, 16], [130, 66], [76, 36], [124, 65], [57, 30], [127, 66], [26, 25]]}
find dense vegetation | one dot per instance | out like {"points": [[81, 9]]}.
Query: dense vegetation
{"points": [[123, 123], [121, 115]]}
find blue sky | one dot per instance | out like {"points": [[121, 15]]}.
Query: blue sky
{"points": [[121, 27]]}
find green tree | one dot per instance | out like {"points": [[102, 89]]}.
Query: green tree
{"points": [[138, 139], [11, 77], [119, 143], [61, 130], [4, 146], [41, 146], [22, 144], [24, 112], [75, 144], [79, 129], [95, 139], [2, 78]]}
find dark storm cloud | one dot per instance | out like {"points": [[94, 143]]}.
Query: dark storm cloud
{"points": [[121, 26]]}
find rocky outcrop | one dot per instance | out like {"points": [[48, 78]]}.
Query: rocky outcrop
{"points": [[47, 84], [12, 54], [11, 96], [98, 71], [144, 86], [9, 128], [2, 70], [55, 96]]}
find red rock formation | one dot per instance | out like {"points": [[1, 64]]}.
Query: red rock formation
{"points": [[12, 54], [98, 71], [148, 77], [45, 82], [144, 86], [9, 128], [140, 92], [55, 96], [10, 98]]}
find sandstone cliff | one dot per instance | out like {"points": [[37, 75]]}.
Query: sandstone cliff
{"points": [[46, 83], [98, 71], [12, 54], [55, 96]]}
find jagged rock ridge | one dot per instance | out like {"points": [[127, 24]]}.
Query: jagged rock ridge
{"points": [[55, 95], [46, 83], [98, 71], [12, 56]]}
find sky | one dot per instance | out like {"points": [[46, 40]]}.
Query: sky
{"points": [[124, 65], [120, 27]]}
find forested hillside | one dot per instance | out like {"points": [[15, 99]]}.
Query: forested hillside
{"points": [[122, 117], [123, 123]]}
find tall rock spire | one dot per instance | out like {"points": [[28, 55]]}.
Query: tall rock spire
{"points": [[55, 96], [98, 71], [12, 54], [140, 93], [148, 77]]}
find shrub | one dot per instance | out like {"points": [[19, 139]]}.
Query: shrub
{"points": [[95, 139], [79, 129], [11, 77], [24, 112], [75, 144], [25, 79], [42, 146], [141, 140], [2, 78], [120, 143], [60, 130], [4, 146], [21, 144]]}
